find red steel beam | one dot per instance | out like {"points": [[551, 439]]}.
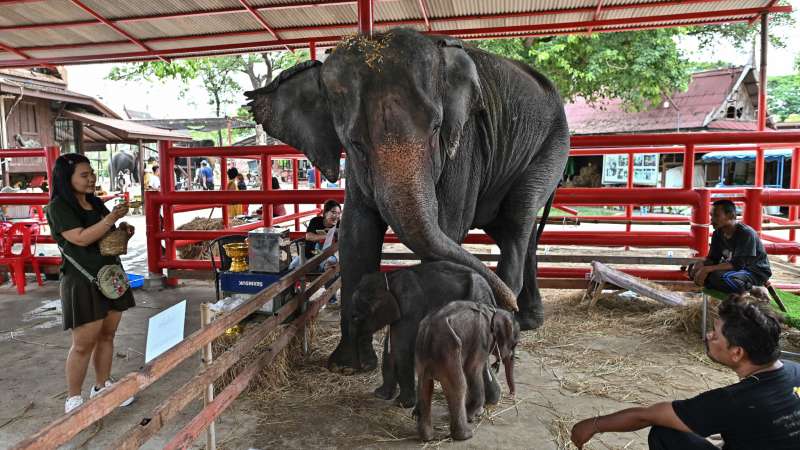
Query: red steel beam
{"points": [[423, 9], [596, 14], [256, 15], [15, 51], [114, 27], [366, 17]]}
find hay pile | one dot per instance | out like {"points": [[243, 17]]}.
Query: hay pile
{"points": [[199, 250], [620, 349]]}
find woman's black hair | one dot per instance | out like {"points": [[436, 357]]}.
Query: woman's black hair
{"points": [[63, 169], [329, 205], [232, 172]]}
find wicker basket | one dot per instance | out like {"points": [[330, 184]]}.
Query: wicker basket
{"points": [[114, 243]]}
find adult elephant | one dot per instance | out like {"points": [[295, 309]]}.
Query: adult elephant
{"points": [[440, 138], [122, 161]]}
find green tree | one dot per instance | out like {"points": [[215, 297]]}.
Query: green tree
{"points": [[783, 99], [217, 74], [637, 67], [743, 35]]}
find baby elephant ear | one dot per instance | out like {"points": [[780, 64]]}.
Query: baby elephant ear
{"points": [[463, 94], [385, 310]]}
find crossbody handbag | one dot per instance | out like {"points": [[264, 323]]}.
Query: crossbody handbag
{"points": [[111, 280]]}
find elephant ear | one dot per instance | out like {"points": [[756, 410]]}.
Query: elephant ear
{"points": [[505, 331], [294, 109], [385, 310], [463, 95]]}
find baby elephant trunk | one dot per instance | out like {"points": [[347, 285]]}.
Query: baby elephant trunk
{"points": [[508, 365]]}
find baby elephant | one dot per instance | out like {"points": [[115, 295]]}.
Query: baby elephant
{"points": [[453, 346], [401, 299]]}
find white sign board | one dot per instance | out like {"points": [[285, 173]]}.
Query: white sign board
{"points": [[164, 330], [645, 169]]}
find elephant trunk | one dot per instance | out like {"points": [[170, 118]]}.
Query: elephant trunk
{"points": [[508, 366], [407, 200]]}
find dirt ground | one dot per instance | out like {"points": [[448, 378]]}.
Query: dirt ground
{"points": [[624, 352]]}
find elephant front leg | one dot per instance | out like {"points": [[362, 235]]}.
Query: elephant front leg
{"points": [[491, 386], [403, 341], [389, 387], [360, 242]]}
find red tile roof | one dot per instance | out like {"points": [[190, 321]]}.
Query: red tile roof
{"points": [[707, 91]]}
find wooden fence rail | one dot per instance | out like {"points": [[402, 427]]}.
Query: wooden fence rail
{"points": [[68, 426]]}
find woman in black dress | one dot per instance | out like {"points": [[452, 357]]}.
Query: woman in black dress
{"points": [[78, 220]]}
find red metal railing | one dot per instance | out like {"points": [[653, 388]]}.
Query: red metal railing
{"points": [[688, 144]]}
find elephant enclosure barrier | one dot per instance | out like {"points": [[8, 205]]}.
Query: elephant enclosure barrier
{"points": [[62, 430], [752, 199]]}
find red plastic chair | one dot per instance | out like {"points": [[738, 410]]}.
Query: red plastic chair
{"points": [[18, 233]]}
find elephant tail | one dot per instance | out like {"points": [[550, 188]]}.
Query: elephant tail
{"points": [[545, 215]]}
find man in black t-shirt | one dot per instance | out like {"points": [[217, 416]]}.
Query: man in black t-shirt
{"points": [[736, 261], [761, 411], [318, 227]]}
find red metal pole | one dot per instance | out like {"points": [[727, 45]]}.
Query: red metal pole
{"points": [[312, 50], [226, 220], [794, 183], [629, 207], [51, 154], [295, 186], [688, 166], [266, 186], [365, 17], [753, 209], [759, 175], [268, 209], [762, 76], [151, 230], [701, 221]]}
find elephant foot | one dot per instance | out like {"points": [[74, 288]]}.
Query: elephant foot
{"points": [[472, 416], [342, 359], [385, 392], [406, 400], [425, 432], [529, 320], [461, 434]]}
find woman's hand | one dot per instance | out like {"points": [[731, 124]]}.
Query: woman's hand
{"points": [[120, 210]]}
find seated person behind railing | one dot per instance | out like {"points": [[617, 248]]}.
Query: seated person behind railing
{"points": [[317, 232], [736, 262]]}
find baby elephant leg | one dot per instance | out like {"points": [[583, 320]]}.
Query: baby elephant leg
{"points": [[454, 384], [388, 389], [475, 394], [422, 411], [491, 386]]}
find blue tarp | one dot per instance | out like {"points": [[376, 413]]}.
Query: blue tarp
{"points": [[748, 155]]}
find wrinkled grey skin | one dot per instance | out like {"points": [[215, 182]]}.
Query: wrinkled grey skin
{"points": [[412, 294], [440, 138], [121, 161], [453, 347]]}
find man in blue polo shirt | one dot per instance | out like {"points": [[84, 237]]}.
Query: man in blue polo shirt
{"points": [[760, 412]]}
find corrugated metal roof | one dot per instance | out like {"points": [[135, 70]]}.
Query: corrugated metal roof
{"points": [[34, 32]]}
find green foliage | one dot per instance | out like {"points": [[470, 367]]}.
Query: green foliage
{"points": [[702, 66], [636, 67], [783, 99], [742, 35]]}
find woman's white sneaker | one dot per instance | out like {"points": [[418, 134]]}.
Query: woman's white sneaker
{"points": [[72, 403], [95, 392]]}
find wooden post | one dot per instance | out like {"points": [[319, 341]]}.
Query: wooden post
{"points": [[208, 397]]}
